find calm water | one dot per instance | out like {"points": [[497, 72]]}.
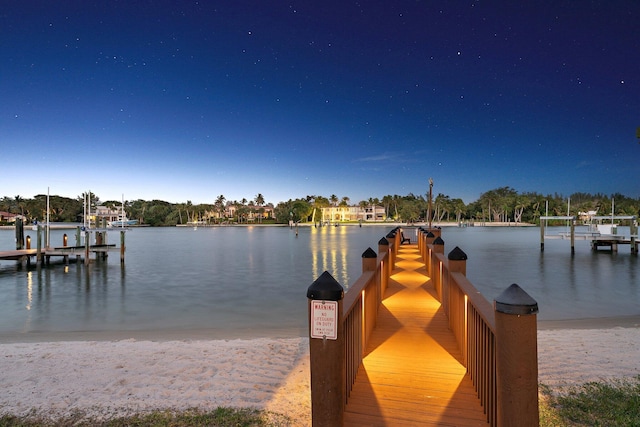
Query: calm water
{"points": [[239, 281], [247, 280]]}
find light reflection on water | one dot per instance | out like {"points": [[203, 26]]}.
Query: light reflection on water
{"points": [[330, 248], [254, 279]]}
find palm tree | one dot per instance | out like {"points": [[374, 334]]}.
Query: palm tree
{"points": [[219, 206], [242, 209], [386, 202], [19, 203], [334, 200], [259, 199]]}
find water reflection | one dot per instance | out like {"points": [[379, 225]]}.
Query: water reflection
{"points": [[330, 251]]}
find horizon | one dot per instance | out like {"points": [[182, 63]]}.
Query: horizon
{"points": [[352, 202], [187, 101]]}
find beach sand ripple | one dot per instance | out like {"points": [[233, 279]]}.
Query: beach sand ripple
{"points": [[107, 379], [568, 357]]}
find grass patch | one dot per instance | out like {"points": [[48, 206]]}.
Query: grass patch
{"points": [[611, 403], [221, 417], [598, 404]]}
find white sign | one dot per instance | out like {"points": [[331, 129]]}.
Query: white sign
{"points": [[324, 319]]}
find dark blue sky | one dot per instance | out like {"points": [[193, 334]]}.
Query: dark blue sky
{"points": [[179, 100]]}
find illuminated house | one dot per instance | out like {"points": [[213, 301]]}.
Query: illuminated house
{"points": [[353, 213]]}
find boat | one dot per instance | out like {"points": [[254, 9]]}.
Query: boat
{"points": [[122, 221]]}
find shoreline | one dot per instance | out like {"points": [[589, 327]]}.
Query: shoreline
{"points": [[107, 379], [601, 323], [71, 226], [210, 334], [152, 335]]}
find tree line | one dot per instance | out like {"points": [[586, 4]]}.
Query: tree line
{"points": [[498, 205]]}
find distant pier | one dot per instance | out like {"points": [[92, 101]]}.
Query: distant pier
{"points": [[600, 235], [100, 248]]}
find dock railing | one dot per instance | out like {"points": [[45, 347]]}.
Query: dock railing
{"points": [[498, 341]]}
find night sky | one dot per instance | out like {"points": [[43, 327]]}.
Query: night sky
{"points": [[187, 100]]}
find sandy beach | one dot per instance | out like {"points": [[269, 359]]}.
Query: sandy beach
{"points": [[110, 378]]}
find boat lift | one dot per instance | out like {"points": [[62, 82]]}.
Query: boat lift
{"points": [[599, 233]]}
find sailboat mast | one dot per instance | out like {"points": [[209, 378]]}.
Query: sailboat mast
{"points": [[48, 226]]}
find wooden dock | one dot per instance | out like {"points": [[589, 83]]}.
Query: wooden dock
{"points": [[597, 240], [599, 234], [65, 252], [100, 248], [18, 254], [412, 373]]}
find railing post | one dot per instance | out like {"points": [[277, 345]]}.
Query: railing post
{"points": [[393, 249], [369, 260], [437, 248], [385, 270], [326, 351], [383, 245], [428, 240], [457, 260], [516, 358], [372, 297], [421, 239]]}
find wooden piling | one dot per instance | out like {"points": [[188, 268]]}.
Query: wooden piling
{"points": [[39, 246], [122, 247], [19, 234], [87, 237], [573, 237]]}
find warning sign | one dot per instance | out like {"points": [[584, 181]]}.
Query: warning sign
{"points": [[324, 319]]}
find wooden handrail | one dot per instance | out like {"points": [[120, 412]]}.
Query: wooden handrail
{"points": [[472, 321], [359, 314]]}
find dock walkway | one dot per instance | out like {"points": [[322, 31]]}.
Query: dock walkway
{"points": [[412, 373]]}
